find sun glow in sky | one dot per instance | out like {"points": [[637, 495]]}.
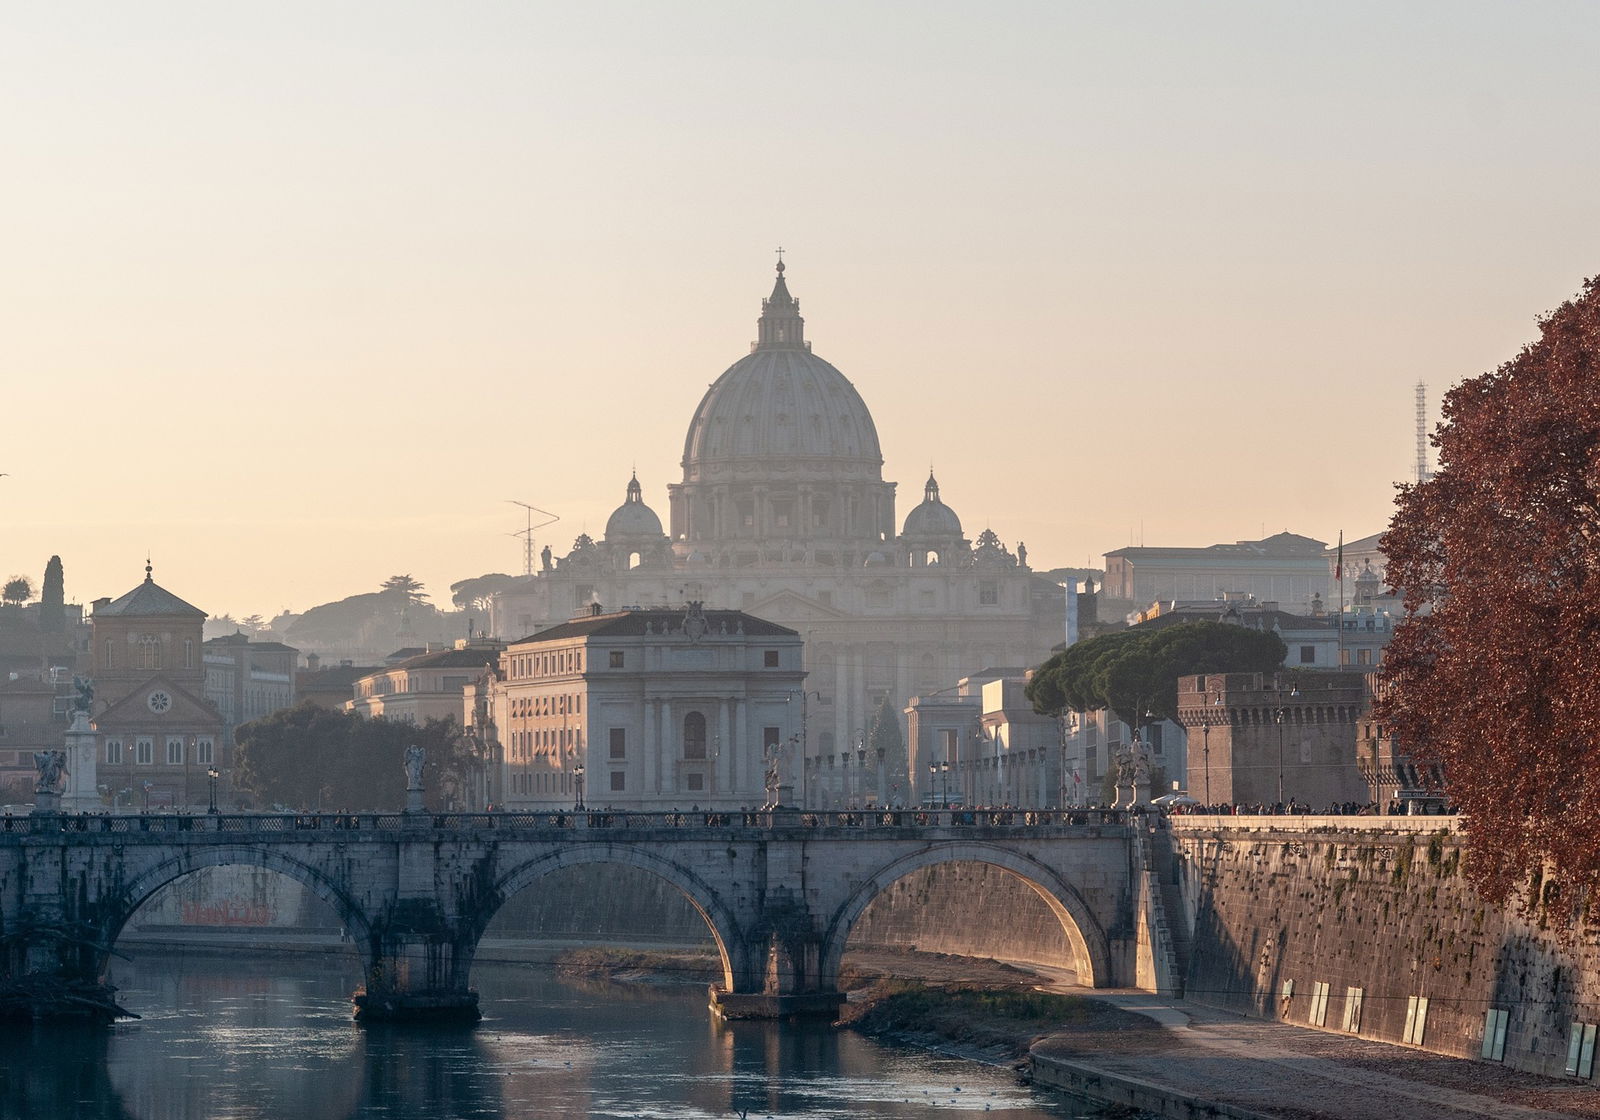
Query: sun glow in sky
{"points": [[297, 295]]}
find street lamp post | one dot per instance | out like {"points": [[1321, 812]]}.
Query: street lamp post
{"points": [[146, 791], [577, 788], [805, 739], [212, 776], [1282, 717]]}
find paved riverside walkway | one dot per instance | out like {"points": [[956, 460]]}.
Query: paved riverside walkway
{"points": [[1285, 1072]]}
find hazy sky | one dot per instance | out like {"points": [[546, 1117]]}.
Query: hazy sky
{"points": [[296, 295]]}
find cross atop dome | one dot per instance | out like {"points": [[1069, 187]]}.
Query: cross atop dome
{"points": [[780, 326]]}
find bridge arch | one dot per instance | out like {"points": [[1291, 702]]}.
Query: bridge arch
{"points": [[143, 886], [719, 919], [1090, 950]]}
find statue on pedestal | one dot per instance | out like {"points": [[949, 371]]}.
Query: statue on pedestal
{"points": [[415, 758], [49, 765]]}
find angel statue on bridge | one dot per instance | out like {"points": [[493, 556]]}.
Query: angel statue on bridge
{"points": [[49, 765]]}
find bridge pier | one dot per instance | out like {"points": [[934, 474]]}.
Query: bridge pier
{"points": [[417, 967], [787, 950]]}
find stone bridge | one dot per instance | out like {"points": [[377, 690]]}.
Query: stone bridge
{"points": [[779, 890]]}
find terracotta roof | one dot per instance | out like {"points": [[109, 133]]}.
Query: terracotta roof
{"points": [[332, 677], [472, 657], [148, 600], [244, 640], [622, 624]]}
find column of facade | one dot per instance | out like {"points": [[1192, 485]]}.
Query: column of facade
{"points": [[742, 733], [658, 729], [721, 781], [841, 711], [858, 729]]}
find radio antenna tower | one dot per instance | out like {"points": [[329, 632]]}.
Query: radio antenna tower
{"points": [[527, 534], [1423, 473]]}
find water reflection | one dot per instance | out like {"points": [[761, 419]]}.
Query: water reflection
{"points": [[265, 1038]]}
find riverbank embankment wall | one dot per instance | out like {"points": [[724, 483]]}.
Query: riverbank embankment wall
{"points": [[1368, 925]]}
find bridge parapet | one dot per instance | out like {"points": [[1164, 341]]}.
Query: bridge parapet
{"points": [[784, 822]]}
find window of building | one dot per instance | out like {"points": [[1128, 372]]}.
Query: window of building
{"points": [[696, 783], [144, 751], [770, 737], [1363, 657], [188, 653], [619, 742], [618, 659], [113, 751], [174, 752], [825, 598], [694, 735], [109, 648], [204, 752], [619, 781], [1308, 655], [584, 594], [769, 659], [747, 600], [988, 593]]}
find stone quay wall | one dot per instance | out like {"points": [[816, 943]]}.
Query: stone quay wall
{"points": [[969, 910], [1366, 925]]}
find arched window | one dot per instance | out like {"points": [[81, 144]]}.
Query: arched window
{"points": [[694, 735], [188, 653]]}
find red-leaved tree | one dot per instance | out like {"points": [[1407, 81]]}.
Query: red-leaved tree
{"points": [[1495, 671]]}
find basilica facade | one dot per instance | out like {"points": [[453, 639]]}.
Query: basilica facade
{"points": [[783, 513]]}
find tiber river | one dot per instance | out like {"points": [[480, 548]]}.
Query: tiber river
{"points": [[271, 1038]]}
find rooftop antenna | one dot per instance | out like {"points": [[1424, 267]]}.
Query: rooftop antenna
{"points": [[527, 534], [1423, 473]]}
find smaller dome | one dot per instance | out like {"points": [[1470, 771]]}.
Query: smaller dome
{"points": [[634, 519], [932, 518]]}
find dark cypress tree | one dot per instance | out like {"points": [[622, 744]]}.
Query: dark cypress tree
{"points": [[52, 599]]}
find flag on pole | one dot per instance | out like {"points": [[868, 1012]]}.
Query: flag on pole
{"points": [[1076, 780], [1338, 564]]}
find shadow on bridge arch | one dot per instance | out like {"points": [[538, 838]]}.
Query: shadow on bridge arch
{"points": [[1091, 952], [145, 886], [719, 918]]}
